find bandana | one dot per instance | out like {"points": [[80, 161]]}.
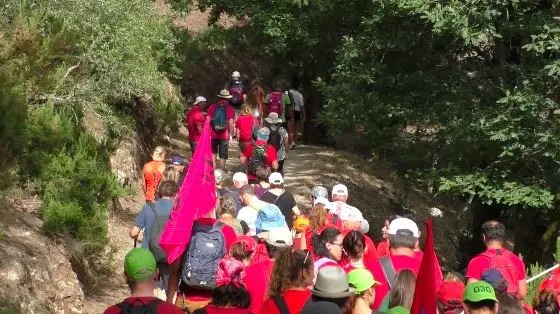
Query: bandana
{"points": [[229, 271]]}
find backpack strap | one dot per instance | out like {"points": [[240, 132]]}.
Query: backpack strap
{"points": [[150, 307], [388, 269], [278, 197], [281, 304], [152, 206]]}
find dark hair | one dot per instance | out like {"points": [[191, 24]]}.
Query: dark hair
{"points": [[231, 295], [354, 244], [288, 270], [262, 173], [247, 189], [488, 304], [168, 188], [402, 290], [319, 241], [509, 305], [239, 252], [546, 303], [402, 240], [274, 251], [494, 231]]}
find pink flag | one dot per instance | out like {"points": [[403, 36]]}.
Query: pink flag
{"points": [[197, 197]]}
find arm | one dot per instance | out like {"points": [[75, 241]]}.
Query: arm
{"points": [[140, 223], [134, 232], [174, 279], [522, 294], [275, 165], [296, 210], [231, 126], [242, 159], [199, 128]]}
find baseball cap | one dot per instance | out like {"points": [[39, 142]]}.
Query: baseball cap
{"points": [[240, 177], [139, 264], [340, 189], [361, 279], [199, 99], [279, 237], [275, 178], [319, 191], [403, 224], [495, 278], [398, 310], [451, 292], [479, 291], [321, 200], [248, 242]]}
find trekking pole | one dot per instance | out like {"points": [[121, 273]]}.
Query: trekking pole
{"points": [[134, 243], [543, 273]]}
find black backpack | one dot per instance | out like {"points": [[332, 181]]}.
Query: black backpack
{"points": [[274, 138], [133, 308]]}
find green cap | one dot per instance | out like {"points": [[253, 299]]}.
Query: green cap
{"points": [[398, 310], [139, 264], [479, 291], [361, 279]]}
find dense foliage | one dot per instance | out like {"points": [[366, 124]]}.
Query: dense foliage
{"points": [[58, 59]]}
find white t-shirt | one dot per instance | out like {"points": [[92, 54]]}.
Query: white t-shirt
{"points": [[249, 215], [347, 212], [298, 99]]}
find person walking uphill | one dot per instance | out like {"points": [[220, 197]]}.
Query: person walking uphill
{"points": [[152, 173], [237, 90], [222, 118], [278, 138], [276, 101], [195, 121], [260, 154], [351, 216], [282, 198], [496, 256], [244, 125]]}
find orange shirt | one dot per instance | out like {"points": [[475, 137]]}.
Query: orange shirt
{"points": [[152, 176]]}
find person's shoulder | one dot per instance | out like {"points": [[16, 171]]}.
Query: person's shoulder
{"points": [[113, 309], [168, 308]]}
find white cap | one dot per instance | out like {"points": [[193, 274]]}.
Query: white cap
{"points": [[403, 224], [340, 189], [280, 237], [199, 99], [275, 178], [240, 177], [321, 200], [235, 74]]}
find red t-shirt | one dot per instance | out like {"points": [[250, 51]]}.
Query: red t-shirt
{"points": [[271, 156], [230, 115], [245, 125], [230, 237], [257, 277], [162, 308], [399, 262], [480, 264], [295, 299], [383, 249], [210, 309], [194, 116]]}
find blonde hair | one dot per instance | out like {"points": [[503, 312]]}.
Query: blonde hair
{"points": [[159, 153], [246, 109]]}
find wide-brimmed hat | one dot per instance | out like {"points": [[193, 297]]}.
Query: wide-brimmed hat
{"points": [[273, 118], [270, 217], [332, 283], [224, 93]]}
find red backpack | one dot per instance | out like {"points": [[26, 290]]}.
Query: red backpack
{"points": [[501, 261], [275, 103]]}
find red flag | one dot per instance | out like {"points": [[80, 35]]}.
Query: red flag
{"points": [[425, 294], [197, 197]]}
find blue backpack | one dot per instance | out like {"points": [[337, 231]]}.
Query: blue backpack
{"points": [[219, 122]]}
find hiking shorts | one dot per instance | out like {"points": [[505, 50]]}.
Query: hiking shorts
{"points": [[297, 115], [220, 147]]}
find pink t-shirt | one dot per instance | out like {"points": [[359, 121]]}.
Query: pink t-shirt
{"points": [[230, 115], [257, 277], [245, 125]]}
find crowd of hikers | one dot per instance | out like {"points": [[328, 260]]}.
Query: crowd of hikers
{"points": [[259, 251]]}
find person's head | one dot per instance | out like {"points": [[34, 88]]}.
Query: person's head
{"points": [[140, 269], [319, 191], [450, 295], [231, 291], [240, 179], [243, 248], [339, 193], [159, 153], [493, 232], [354, 245], [479, 298], [219, 177], [272, 119], [201, 102], [546, 303], [402, 290], [292, 269], [270, 217], [262, 174], [278, 85], [275, 180], [277, 240], [168, 189], [227, 206], [246, 109], [178, 162], [403, 233], [332, 285], [495, 278], [235, 75], [328, 243], [385, 229], [363, 282], [318, 214], [509, 304], [171, 174], [247, 194], [263, 134]]}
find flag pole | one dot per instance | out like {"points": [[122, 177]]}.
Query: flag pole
{"points": [[537, 276]]}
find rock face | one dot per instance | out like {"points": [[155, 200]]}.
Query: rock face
{"points": [[35, 275]]}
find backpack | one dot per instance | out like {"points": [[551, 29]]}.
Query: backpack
{"points": [[206, 247], [149, 308], [236, 91], [275, 103], [501, 261], [219, 122], [274, 138], [155, 235], [258, 159]]}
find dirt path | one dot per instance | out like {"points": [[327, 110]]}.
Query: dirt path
{"points": [[371, 188]]}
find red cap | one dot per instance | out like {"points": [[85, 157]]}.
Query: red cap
{"points": [[451, 292], [248, 242]]}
